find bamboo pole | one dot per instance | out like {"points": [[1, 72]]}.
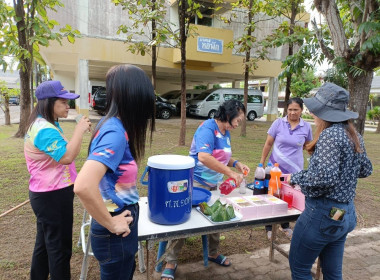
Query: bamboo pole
{"points": [[14, 208]]}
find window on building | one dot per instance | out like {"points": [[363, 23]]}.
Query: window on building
{"points": [[207, 11]]}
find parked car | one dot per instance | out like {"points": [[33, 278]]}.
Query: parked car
{"points": [[99, 101], [164, 109], [14, 100], [174, 97], [207, 103]]}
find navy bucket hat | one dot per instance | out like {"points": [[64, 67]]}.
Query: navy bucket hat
{"points": [[51, 89], [330, 104]]}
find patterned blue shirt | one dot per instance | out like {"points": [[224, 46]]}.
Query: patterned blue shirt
{"points": [[334, 166]]}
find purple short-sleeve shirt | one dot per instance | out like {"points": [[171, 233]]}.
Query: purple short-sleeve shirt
{"points": [[288, 144]]}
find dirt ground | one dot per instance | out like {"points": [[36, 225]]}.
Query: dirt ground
{"points": [[18, 234]]}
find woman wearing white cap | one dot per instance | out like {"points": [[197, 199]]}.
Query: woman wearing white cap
{"points": [[50, 161], [338, 159]]}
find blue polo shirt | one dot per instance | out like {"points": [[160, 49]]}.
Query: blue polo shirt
{"points": [[209, 139], [288, 144]]}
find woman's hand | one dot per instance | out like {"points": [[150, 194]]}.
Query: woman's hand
{"points": [[243, 168], [288, 179], [84, 124], [120, 223]]}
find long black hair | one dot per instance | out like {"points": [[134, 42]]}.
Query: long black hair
{"points": [[44, 108], [131, 98], [229, 110]]}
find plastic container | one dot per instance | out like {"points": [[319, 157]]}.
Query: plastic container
{"points": [[275, 182], [243, 206], [298, 196], [242, 187], [170, 184], [259, 180], [227, 186], [267, 177]]}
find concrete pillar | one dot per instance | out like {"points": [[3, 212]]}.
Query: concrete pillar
{"points": [[82, 15], [209, 86], [81, 87], [235, 84], [272, 104]]}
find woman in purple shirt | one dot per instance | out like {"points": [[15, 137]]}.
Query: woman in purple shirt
{"points": [[288, 137]]}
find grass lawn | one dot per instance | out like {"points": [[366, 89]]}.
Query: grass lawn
{"points": [[18, 228]]}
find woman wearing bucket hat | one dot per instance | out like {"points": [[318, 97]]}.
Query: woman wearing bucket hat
{"points": [[338, 159], [106, 184], [211, 150], [50, 161]]}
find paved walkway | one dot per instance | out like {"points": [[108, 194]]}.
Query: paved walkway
{"points": [[361, 262]]}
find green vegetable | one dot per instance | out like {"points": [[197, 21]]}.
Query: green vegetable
{"points": [[216, 205], [230, 212], [218, 216], [205, 208]]}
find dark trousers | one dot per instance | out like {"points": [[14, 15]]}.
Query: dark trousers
{"points": [[53, 248], [116, 254], [269, 227]]}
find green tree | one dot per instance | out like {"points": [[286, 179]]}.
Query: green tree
{"points": [[339, 78], [354, 34], [154, 12], [374, 114], [24, 27], [256, 11], [303, 83], [5, 93], [298, 39]]}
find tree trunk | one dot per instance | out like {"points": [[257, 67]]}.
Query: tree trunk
{"points": [[24, 70], [154, 48], [294, 11], [359, 88], [243, 131], [7, 114], [182, 30], [378, 127]]}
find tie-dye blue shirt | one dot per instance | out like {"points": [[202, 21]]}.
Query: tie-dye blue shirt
{"points": [[110, 147], [209, 139]]}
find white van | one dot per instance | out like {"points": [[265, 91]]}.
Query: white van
{"points": [[207, 103], [174, 96]]}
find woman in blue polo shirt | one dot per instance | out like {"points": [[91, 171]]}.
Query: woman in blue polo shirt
{"points": [[211, 150], [287, 138], [106, 184]]}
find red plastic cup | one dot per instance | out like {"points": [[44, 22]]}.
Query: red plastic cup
{"points": [[288, 197]]}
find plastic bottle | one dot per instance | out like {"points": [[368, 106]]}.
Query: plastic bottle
{"points": [[227, 186], [267, 176], [242, 187], [259, 180], [274, 182]]}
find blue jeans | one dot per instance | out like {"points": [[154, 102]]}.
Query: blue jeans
{"points": [[116, 254], [316, 234]]}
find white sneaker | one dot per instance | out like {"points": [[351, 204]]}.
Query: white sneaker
{"points": [[269, 234], [288, 232]]}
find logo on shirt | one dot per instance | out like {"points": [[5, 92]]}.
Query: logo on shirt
{"points": [[107, 153], [218, 134], [53, 146], [206, 146]]}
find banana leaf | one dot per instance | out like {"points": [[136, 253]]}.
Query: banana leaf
{"points": [[205, 209], [230, 212], [216, 205]]}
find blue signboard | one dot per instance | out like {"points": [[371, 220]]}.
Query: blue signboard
{"points": [[210, 45]]}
